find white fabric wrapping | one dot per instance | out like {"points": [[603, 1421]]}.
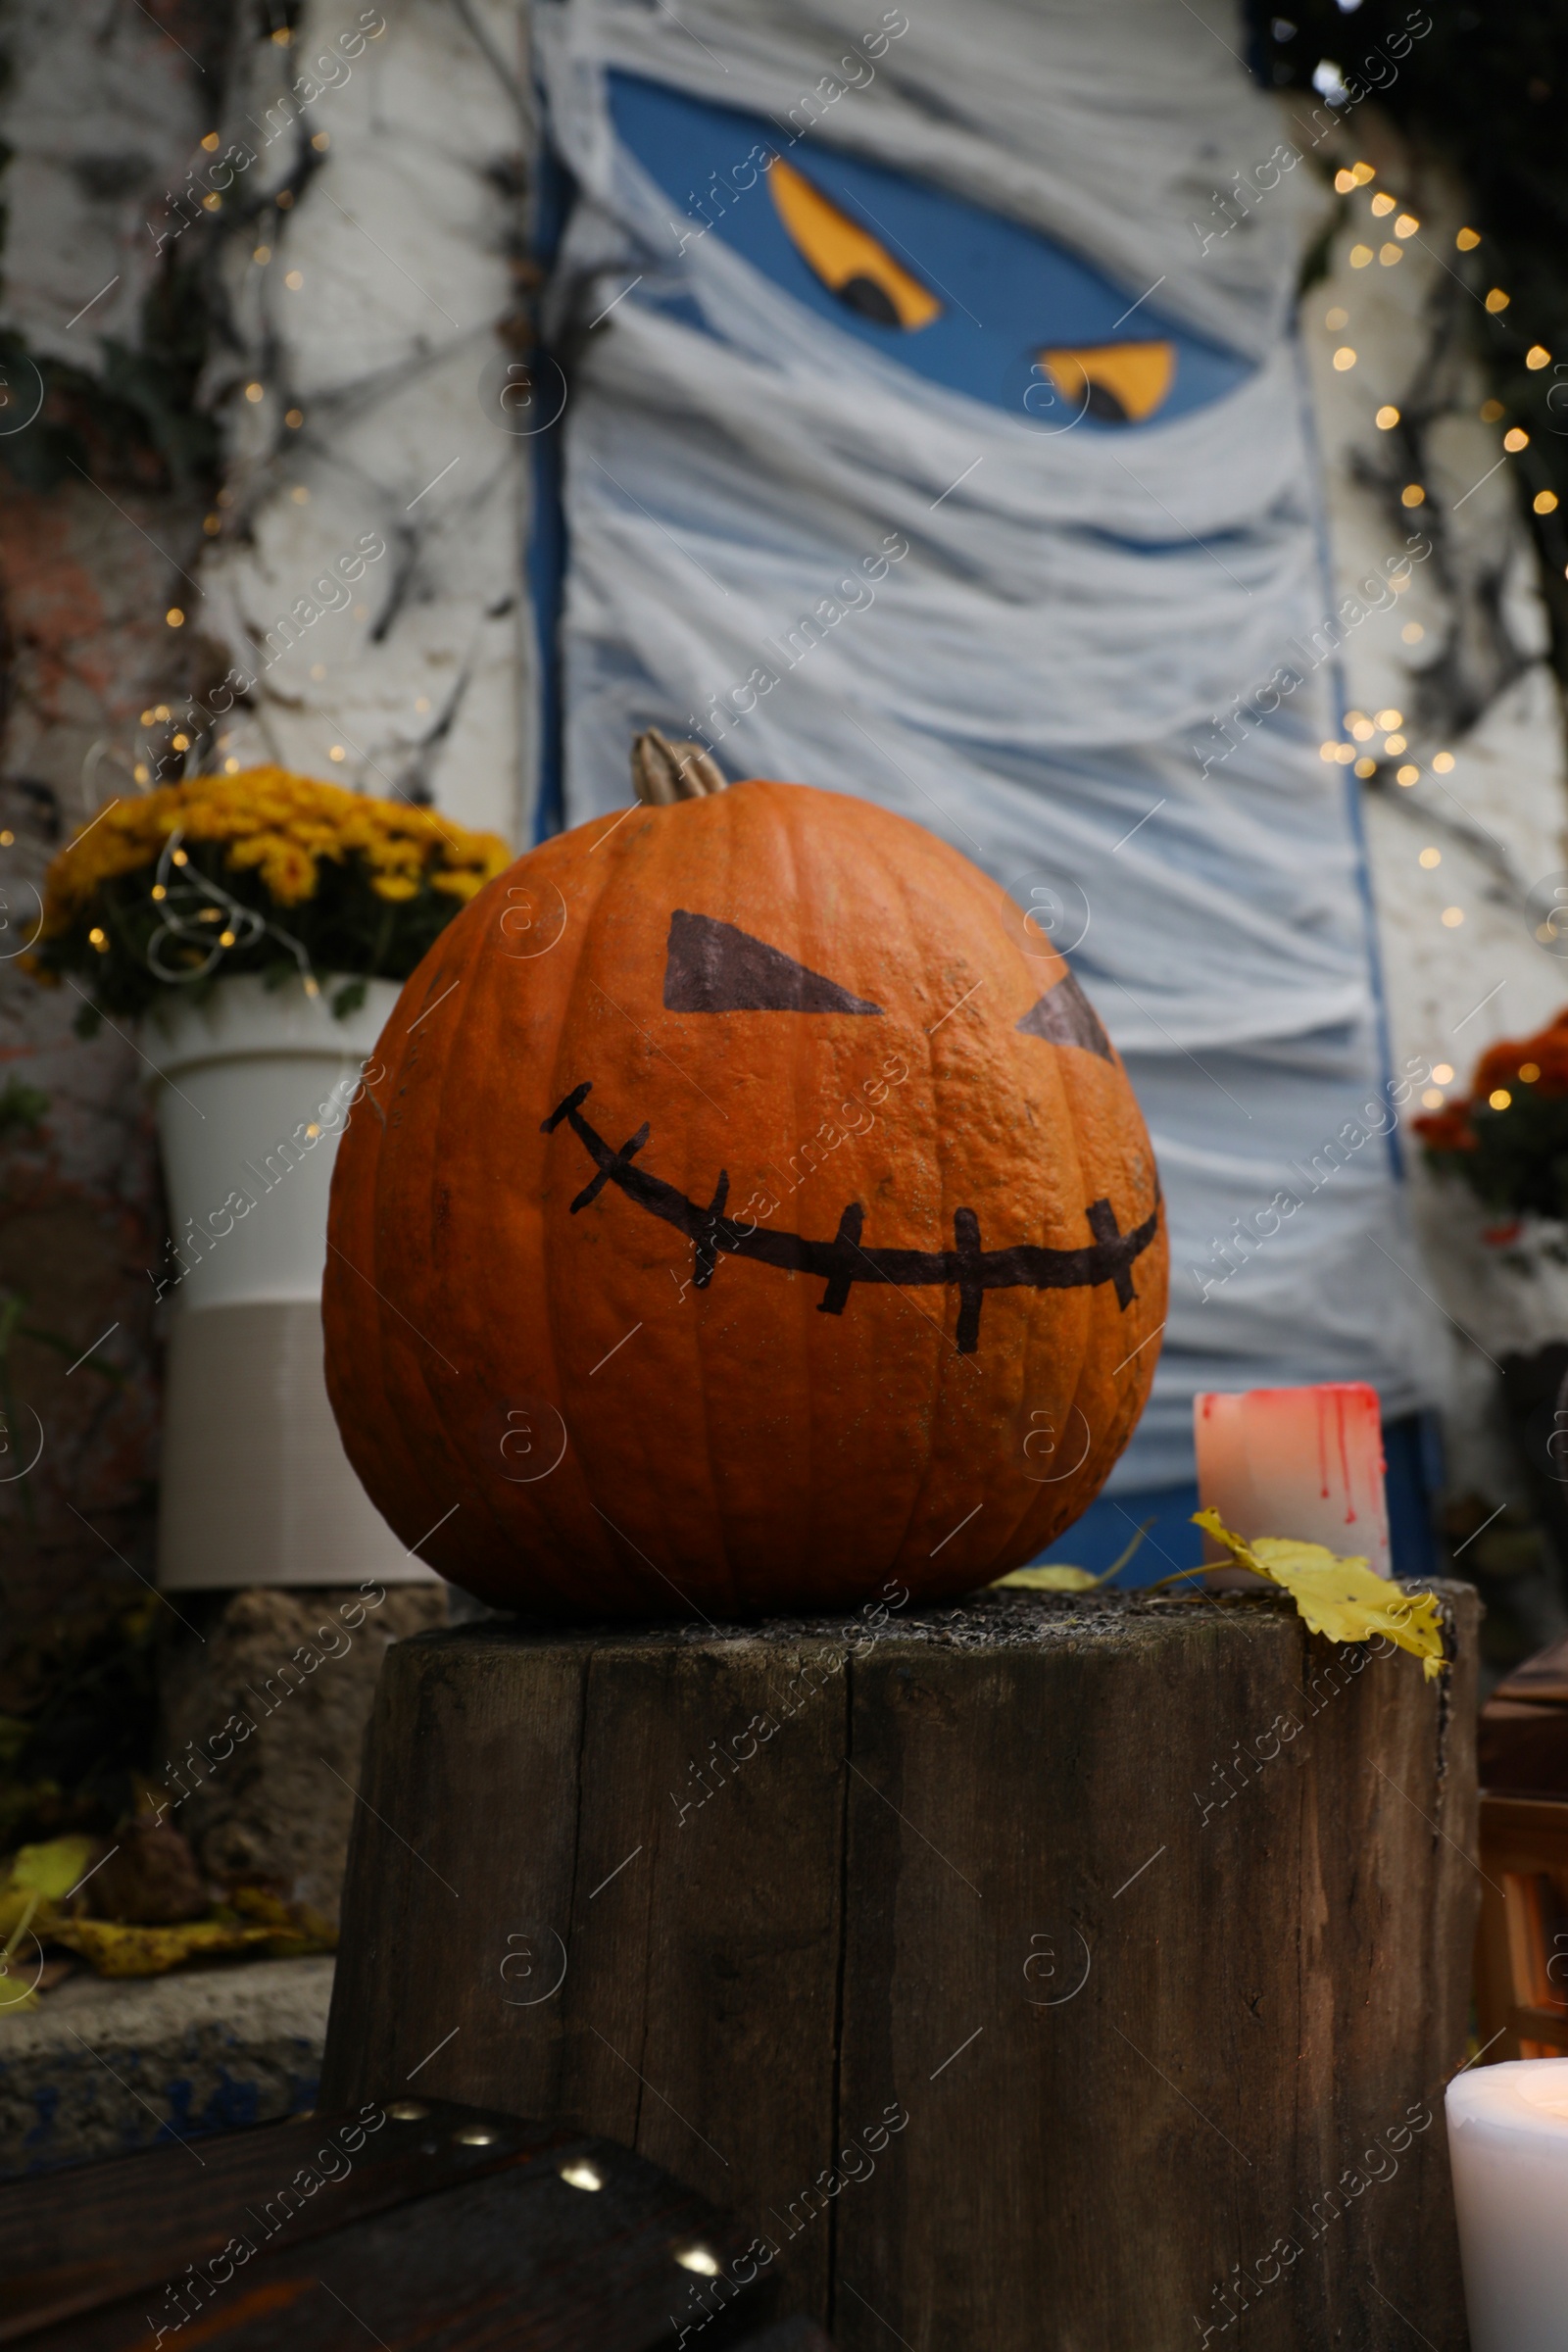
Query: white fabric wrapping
{"points": [[1107, 123], [1030, 679]]}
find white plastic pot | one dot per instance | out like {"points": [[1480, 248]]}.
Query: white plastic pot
{"points": [[253, 1088]]}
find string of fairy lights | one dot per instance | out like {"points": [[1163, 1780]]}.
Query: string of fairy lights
{"points": [[1361, 727]]}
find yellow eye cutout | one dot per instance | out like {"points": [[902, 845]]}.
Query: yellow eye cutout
{"points": [[848, 261], [1118, 383]]}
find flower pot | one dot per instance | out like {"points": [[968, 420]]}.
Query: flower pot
{"points": [[253, 1086]]}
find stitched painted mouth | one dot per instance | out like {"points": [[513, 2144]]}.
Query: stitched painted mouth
{"points": [[842, 1262]]}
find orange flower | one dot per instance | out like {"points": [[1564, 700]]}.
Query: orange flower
{"points": [[1546, 1052], [1447, 1129]]}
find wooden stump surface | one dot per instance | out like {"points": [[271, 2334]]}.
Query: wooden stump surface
{"points": [[1038, 1973]]}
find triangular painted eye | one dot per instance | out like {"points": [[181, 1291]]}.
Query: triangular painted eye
{"points": [[848, 261], [1064, 1016], [1117, 384], [711, 966]]}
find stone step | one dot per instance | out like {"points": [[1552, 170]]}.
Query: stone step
{"points": [[100, 2068]]}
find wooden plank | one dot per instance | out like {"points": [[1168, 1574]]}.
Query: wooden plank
{"points": [[72, 2238], [1520, 1837], [476, 2230], [1534, 2024], [1052, 1958], [1525, 1833]]}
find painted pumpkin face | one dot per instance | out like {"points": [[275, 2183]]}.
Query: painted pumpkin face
{"points": [[754, 1210]]}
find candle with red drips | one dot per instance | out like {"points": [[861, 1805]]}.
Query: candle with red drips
{"points": [[1306, 1464]]}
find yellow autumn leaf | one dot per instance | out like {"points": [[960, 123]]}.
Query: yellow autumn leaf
{"points": [[255, 1922], [16, 1996], [24, 1915], [1048, 1579], [1339, 1597], [53, 1869], [1070, 1580], [130, 1951]]}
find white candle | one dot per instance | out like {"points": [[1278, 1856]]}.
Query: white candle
{"points": [[1305, 1463], [1509, 2143]]}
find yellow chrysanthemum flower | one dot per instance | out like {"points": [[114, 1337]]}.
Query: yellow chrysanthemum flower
{"points": [[280, 826]]}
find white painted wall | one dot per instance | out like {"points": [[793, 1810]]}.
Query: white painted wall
{"points": [[374, 318]]}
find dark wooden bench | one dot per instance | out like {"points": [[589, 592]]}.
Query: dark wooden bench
{"points": [[418, 2224]]}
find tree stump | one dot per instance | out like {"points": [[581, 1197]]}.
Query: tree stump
{"points": [[1080, 1973]]}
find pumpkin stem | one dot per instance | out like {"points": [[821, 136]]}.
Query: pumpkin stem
{"points": [[662, 772]]}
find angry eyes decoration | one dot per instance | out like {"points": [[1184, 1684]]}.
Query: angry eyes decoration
{"points": [[954, 293], [1116, 383]]}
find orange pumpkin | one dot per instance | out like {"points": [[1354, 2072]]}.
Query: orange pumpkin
{"points": [[752, 1211]]}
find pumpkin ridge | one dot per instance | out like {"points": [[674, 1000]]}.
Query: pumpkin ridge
{"points": [[793, 1381], [728, 815], [573, 1538], [623, 879], [935, 1366], [453, 1449]]}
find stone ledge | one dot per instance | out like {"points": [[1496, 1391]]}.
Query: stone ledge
{"points": [[104, 2069]]}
